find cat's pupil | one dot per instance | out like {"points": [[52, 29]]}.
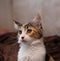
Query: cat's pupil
{"points": [[20, 32], [29, 30]]}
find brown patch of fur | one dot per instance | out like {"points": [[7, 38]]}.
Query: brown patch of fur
{"points": [[33, 33]]}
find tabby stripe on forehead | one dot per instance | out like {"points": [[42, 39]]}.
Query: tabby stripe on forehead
{"points": [[27, 25]]}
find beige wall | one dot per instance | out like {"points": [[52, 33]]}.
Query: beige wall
{"points": [[50, 13], [27, 9], [51, 17], [5, 14]]}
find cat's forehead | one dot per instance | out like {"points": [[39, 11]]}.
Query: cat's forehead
{"points": [[26, 25]]}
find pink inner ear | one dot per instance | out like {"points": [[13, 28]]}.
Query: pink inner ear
{"points": [[37, 20]]}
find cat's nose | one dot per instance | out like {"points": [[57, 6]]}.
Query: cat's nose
{"points": [[22, 37]]}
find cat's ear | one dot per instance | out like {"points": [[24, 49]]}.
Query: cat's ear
{"points": [[16, 24], [37, 21]]}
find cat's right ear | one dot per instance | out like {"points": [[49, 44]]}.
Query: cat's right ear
{"points": [[16, 24], [37, 21]]}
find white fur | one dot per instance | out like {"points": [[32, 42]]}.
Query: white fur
{"points": [[26, 37], [32, 52]]}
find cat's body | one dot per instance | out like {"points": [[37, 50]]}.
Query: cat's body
{"points": [[33, 52], [30, 38]]}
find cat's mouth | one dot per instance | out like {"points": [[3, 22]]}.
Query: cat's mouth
{"points": [[24, 41]]}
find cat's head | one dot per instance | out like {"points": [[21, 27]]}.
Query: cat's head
{"points": [[29, 32]]}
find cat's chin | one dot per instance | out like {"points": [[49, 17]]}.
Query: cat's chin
{"points": [[22, 41], [25, 42]]}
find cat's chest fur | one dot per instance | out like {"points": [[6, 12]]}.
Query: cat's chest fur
{"points": [[34, 52]]}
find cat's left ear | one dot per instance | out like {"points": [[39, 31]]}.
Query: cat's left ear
{"points": [[37, 21], [16, 24]]}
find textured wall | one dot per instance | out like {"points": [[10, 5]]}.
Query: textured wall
{"points": [[5, 14], [51, 17], [50, 13], [27, 9]]}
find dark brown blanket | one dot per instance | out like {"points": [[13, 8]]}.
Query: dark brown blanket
{"points": [[9, 47]]}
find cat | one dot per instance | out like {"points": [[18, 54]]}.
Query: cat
{"points": [[30, 39]]}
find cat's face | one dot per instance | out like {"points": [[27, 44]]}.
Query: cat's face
{"points": [[28, 32]]}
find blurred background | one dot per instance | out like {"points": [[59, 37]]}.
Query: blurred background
{"points": [[26, 10]]}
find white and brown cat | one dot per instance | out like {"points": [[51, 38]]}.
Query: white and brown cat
{"points": [[30, 38]]}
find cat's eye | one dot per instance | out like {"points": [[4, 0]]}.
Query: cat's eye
{"points": [[20, 32], [29, 30]]}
